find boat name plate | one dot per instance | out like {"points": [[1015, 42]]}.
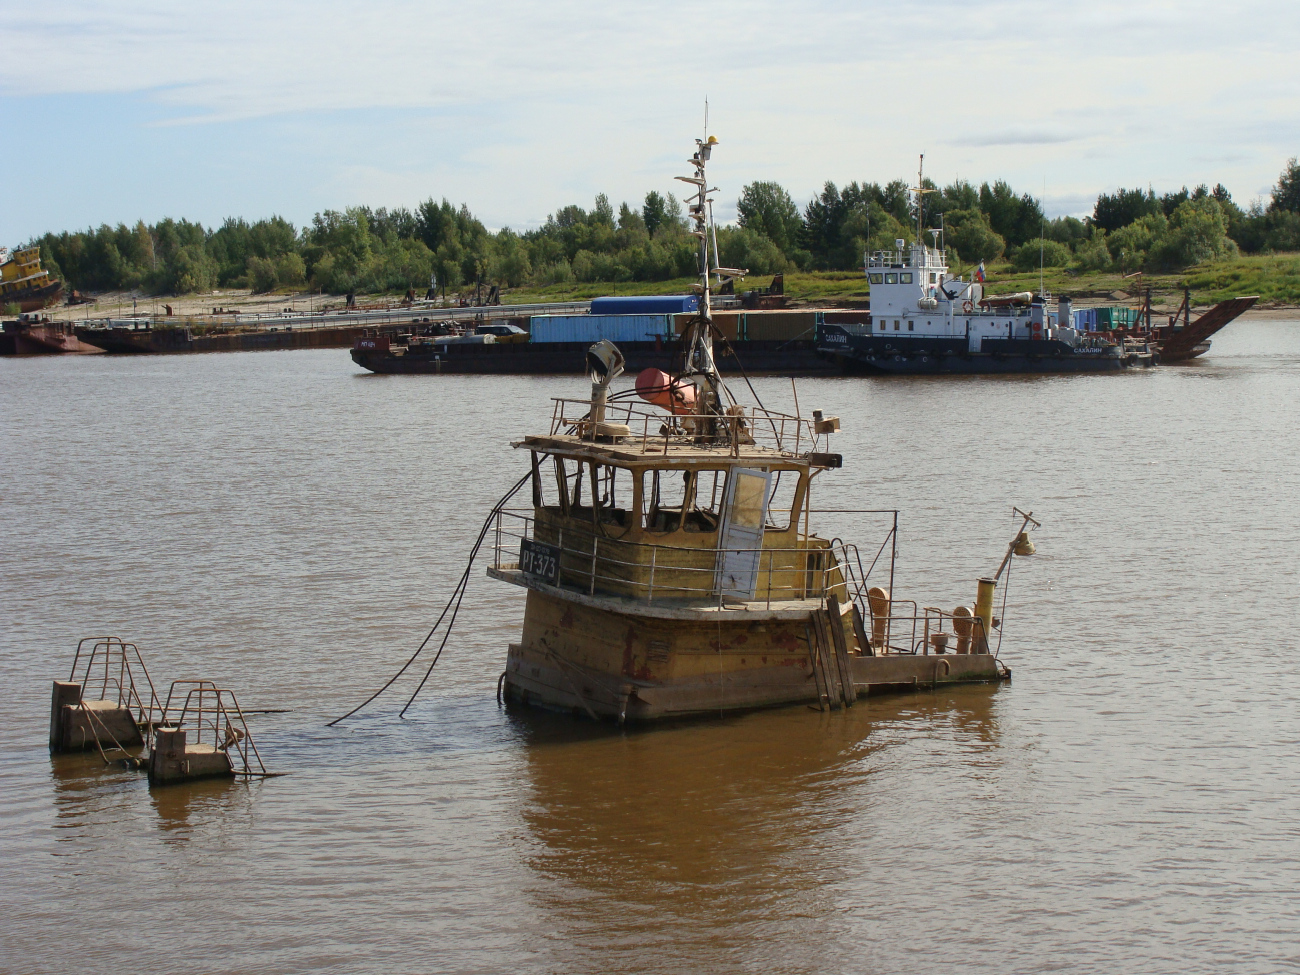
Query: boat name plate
{"points": [[540, 561]]}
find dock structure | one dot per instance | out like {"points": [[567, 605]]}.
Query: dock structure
{"points": [[215, 715], [109, 704]]}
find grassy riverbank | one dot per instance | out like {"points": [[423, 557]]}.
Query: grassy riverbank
{"points": [[1275, 278]]}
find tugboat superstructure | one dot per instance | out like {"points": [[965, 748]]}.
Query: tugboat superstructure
{"points": [[925, 321]]}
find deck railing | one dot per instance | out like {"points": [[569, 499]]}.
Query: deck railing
{"points": [[651, 426], [593, 562]]}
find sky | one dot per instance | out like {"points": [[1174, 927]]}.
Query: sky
{"points": [[120, 111]]}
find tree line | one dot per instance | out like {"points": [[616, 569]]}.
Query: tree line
{"points": [[364, 250]]}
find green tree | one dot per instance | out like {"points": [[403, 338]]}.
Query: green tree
{"points": [[1121, 208], [969, 234], [766, 208], [1196, 232], [654, 212], [1286, 193], [1016, 219]]}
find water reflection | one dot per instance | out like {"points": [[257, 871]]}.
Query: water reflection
{"points": [[180, 806], [715, 835]]}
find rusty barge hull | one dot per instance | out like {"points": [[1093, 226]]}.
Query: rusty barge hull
{"points": [[794, 358], [1180, 343]]}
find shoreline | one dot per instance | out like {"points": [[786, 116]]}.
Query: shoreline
{"points": [[228, 305]]}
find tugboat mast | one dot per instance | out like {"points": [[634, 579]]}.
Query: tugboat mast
{"points": [[701, 368]]}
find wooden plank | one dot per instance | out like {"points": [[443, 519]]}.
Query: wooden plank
{"points": [[860, 631], [826, 655], [835, 621], [819, 672]]}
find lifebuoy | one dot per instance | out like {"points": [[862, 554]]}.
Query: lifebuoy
{"points": [[967, 307]]}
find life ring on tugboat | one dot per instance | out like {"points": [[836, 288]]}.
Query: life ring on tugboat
{"points": [[967, 306]]}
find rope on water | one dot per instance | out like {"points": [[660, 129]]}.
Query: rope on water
{"points": [[452, 608]]}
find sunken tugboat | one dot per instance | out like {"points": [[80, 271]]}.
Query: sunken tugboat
{"points": [[668, 562]]}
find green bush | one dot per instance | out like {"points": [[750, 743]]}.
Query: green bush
{"points": [[1092, 254], [969, 234], [1035, 253]]}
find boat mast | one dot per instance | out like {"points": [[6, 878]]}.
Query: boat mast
{"points": [[701, 367]]}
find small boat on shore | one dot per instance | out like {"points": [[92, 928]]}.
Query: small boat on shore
{"points": [[23, 282], [669, 559]]}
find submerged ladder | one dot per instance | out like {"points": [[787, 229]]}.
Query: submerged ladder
{"points": [[111, 704], [214, 714]]}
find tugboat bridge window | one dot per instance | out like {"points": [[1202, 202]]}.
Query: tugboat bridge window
{"points": [[782, 507], [909, 327], [685, 500], [891, 279], [877, 278], [906, 277], [895, 324]]}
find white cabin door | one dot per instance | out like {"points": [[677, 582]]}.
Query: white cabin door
{"points": [[740, 541]]}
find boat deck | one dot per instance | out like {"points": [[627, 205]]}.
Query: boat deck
{"points": [[670, 608]]}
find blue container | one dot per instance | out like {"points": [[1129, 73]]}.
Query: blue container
{"points": [[645, 305], [593, 328]]}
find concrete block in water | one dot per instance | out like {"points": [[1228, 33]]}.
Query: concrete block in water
{"points": [[173, 760], [77, 725]]}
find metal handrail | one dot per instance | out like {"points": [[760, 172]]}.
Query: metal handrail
{"points": [[765, 427], [223, 706], [819, 570], [113, 654]]}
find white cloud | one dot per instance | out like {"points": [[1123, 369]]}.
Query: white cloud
{"points": [[520, 107]]}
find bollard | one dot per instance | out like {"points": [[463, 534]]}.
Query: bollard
{"points": [[66, 694], [984, 610]]}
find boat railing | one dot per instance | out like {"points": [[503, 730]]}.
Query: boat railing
{"points": [[651, 426], [214, 714], [588, 560], [115, 669]]}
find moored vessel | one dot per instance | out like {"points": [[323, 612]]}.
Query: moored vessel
{"points": [[669, 559], [30, 334], [925, 322]]}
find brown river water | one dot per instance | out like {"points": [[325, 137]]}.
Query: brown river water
{"points": [[289, 526]]}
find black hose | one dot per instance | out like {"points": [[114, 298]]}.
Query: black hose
{"points": [[457, 595]]}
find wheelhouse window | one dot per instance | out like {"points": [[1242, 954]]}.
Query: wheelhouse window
{"points": [[782, 506], [891, 279], [600, 493], [906, 277], [683, 500], [876, 278]]}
